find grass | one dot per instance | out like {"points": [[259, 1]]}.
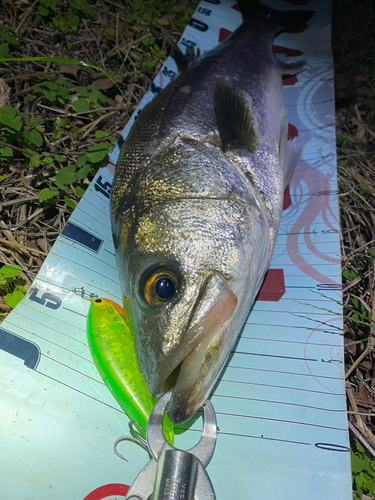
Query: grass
{"points": [[59, 117]]}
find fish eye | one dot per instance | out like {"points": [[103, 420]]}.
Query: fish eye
{"points": [[160, 286], [164, 288]]}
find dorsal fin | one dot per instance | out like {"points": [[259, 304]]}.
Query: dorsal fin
{"points": [[234, 118]]}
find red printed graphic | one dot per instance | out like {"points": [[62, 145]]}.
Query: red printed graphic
{"points": [[273, 287], [291, 80], [108, 490], [292, 132], [287, 199], [309, 209], [277, 49], [223, 34]]}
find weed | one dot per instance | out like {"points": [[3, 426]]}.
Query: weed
{"points": [[6, 40], [11, 286], [64, 177], [363, 470]]}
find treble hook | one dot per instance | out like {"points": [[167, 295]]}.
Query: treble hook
{"points": [[136, 431]]}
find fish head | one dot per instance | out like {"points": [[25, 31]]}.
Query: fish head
{"points": [[191, 243]]}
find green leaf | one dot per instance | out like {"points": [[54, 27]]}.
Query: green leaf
{"points": [[139, 5], [346, 137], [84, 171], [12, 299], [81, 160], [148, 64], [357, 463], [6, 152], [369, 467], [51, 96], [360, 449], [9, 271], [148, 41], [97, 152], [349, 275], [110, 31], [49, 3], [73, 21], [43, 11], [4, 35], [82, 91], [81, 105], [101, 97], [10, 118], [34, 137], [34, 161], [33, 122], [50, 85], [4, 49], [80, 191], [64, 83], [99, 134], [82, 5], [371, 251], [59, 158], [66, 175], [64, 61], [93, 98], [46, 194], [69, 203]]}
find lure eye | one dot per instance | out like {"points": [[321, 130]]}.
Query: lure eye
{"points": [[160, 286]]}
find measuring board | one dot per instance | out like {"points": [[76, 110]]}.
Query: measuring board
{"points": [[280, 402]]}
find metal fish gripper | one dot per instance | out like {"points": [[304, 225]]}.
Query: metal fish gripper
{"points": [[172, 473]]}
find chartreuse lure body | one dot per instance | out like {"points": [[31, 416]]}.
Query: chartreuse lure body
{"points": [[111, 345]]}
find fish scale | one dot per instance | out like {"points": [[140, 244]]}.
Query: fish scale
{"points": [[197, 200]]}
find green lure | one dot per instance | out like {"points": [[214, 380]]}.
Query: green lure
{"points": [[111, 344]]}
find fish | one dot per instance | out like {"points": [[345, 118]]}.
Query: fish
{"points": [[109, 336], [196, 205]]}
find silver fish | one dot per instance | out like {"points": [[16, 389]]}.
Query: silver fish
{"points": [[196, 205]]}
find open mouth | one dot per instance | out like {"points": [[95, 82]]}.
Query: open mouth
{"points": [[188, 368]]}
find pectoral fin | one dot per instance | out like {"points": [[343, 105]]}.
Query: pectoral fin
{"points": [[234, 118]]}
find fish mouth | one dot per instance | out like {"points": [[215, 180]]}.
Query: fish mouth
{"points": [[196, 362]]}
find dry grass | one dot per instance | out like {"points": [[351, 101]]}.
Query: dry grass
{"points": [[354, 53]]}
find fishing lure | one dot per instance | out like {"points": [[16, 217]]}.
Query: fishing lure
{"points": [[111, 344]]}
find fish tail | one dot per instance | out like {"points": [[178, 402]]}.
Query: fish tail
{"points": [[292, 21]]}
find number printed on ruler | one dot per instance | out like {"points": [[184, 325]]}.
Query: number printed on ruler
{"points": [[103, 187], [47, 299]]}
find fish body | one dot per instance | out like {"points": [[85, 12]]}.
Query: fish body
{"points": [[196, 205], [111, 344]]}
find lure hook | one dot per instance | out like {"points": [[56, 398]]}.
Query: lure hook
{"points": [[136, 431]]}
